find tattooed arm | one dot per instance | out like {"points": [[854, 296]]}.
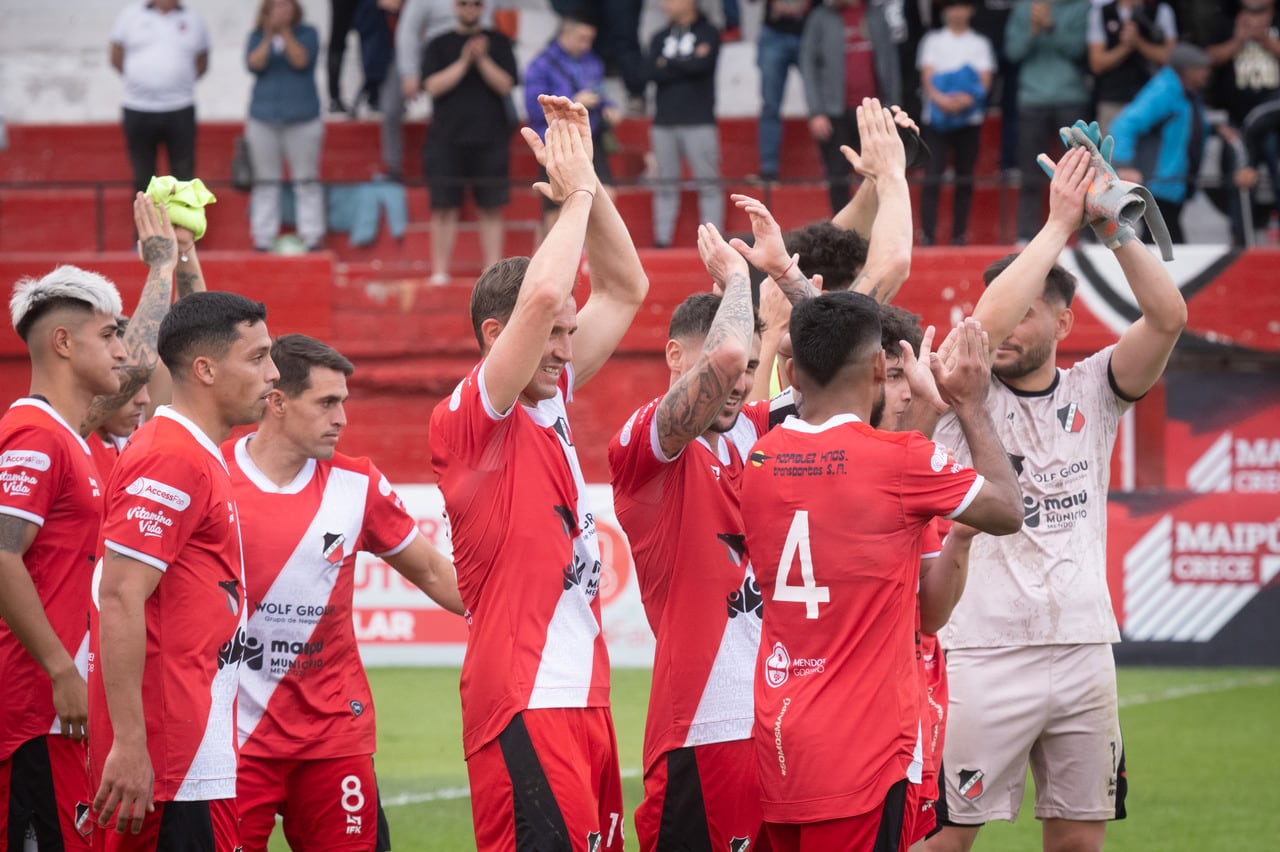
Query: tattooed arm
{"points": [[22, 611], [159, 250], [692, 403], [189, 277]]}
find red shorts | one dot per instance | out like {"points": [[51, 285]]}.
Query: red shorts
{"points": [[45, 784], [205, 826], [549, 780], [703, 797], [876, 831], [922, 817], [326, 804]]}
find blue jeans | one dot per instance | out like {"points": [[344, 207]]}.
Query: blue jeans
{"points": [[775, 54]]}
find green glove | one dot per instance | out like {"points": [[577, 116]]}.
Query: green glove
{"points": [[185, 200]]}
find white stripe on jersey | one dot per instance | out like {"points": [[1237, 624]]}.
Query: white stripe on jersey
{"points": [[564, 671], [307, 579]]}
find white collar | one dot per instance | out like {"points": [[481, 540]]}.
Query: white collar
{"points": [[49, 410], [797, 425], [261, 481]]}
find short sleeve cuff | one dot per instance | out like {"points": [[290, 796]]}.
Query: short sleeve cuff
{"points": [[978, 481], [20, 513], [399, 548], [144, 558]]}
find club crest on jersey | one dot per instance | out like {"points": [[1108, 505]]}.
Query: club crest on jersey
{"points": [[332, 551], [757, 458], [84, 827], [562, 429], [357, 708], [971, 783], [739, 844], [1070, 417], [593, 841], [232, 588], [777, 666]]}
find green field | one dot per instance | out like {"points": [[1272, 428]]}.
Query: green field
{"points": [[1201, 745]]}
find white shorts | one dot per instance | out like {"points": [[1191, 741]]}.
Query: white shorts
{"points": [[1052, 705]]}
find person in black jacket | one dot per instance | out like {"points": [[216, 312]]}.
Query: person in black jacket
{"points": [[682, 65]]}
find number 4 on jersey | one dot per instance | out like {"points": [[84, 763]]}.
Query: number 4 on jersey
{"points": [[808, 592]]}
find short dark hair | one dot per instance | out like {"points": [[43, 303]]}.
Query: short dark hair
{"points": [[899, 324], [832, 330], [48, 306], [1059, 286], [836, 254], [579, 17], [494, 295], [205, 323], [693, 316], [296, 354]]}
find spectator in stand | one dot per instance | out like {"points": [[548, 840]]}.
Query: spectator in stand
{"points": [[284, 123], [161, 49], [618, 43], [1261, 137], [776, 51], [956, 66], [1047, 39], [569, 67], [990, 20], [847, 53], [1246, 53], [417, 23], [1169, 109], [1128, 42], [682, 65], [469, 73]]}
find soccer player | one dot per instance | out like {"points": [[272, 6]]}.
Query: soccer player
{"points": [[305, 713], [676, 466], [50, 509], [1029, 645], [167, 637], [837, 695], [106, 441], [537, 730]]}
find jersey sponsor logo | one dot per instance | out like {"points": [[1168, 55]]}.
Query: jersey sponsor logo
{"points": [[746, 600], [241, 648], [777, 735], [758, 458], [625, 438], [777, 666], [332, 550], [384, 487], [1058, 512], [941, 456], [455, 399], [19, 484], [1070, 418], [357, 708], [150, 524], [232, 588], [971, 783], [1245, 466], [32, 459], [159, 492]]}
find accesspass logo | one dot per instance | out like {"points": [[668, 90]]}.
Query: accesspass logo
{"points": [[159, 492]]}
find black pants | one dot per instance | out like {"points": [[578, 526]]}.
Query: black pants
{"points": [[1172, 213], [145, 131], [961, 147], [342, 16], [834, 165], [1038, 134]]}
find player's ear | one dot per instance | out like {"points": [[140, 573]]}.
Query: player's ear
{"points": [[60, 340], [880, 368], [204, 369], [675, 354], [489, 330], [1063, 323], [276, 402]]}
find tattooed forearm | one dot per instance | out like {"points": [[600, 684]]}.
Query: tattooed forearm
{"points": [[797, 288], [13, 534], [158, 250], [188, 282], [140, 348], [692, 403]]}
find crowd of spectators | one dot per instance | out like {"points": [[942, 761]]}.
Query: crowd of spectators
{"points": [[1163, 75]]}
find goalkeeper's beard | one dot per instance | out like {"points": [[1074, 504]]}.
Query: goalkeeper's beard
{"points": [[1027, 362]]}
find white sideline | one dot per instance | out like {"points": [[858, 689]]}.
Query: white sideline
{"points": [[451, 793]]}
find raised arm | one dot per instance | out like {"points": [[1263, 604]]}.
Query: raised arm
{"points": [[962, 369], [548, 281], [883, 161], [692, 403], [618, 280], [1143, 351], [157, 245], [429, 570], [1010, 295], [22, 611], [768, 251], [127, 775]]}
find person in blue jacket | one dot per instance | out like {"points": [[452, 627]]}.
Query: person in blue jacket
{"points": [[1160, 135]]}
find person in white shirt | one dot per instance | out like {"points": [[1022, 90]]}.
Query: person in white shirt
{"points": [[161, 48], [956, 64]]}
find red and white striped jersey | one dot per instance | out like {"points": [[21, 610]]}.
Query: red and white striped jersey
{"points": [[170, 506], [307, 695], [526, 551]]}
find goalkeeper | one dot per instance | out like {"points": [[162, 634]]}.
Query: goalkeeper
{"points": [[1030, 663]]}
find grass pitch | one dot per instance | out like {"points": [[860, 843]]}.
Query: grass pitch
{"points": [[1201, 747]]}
